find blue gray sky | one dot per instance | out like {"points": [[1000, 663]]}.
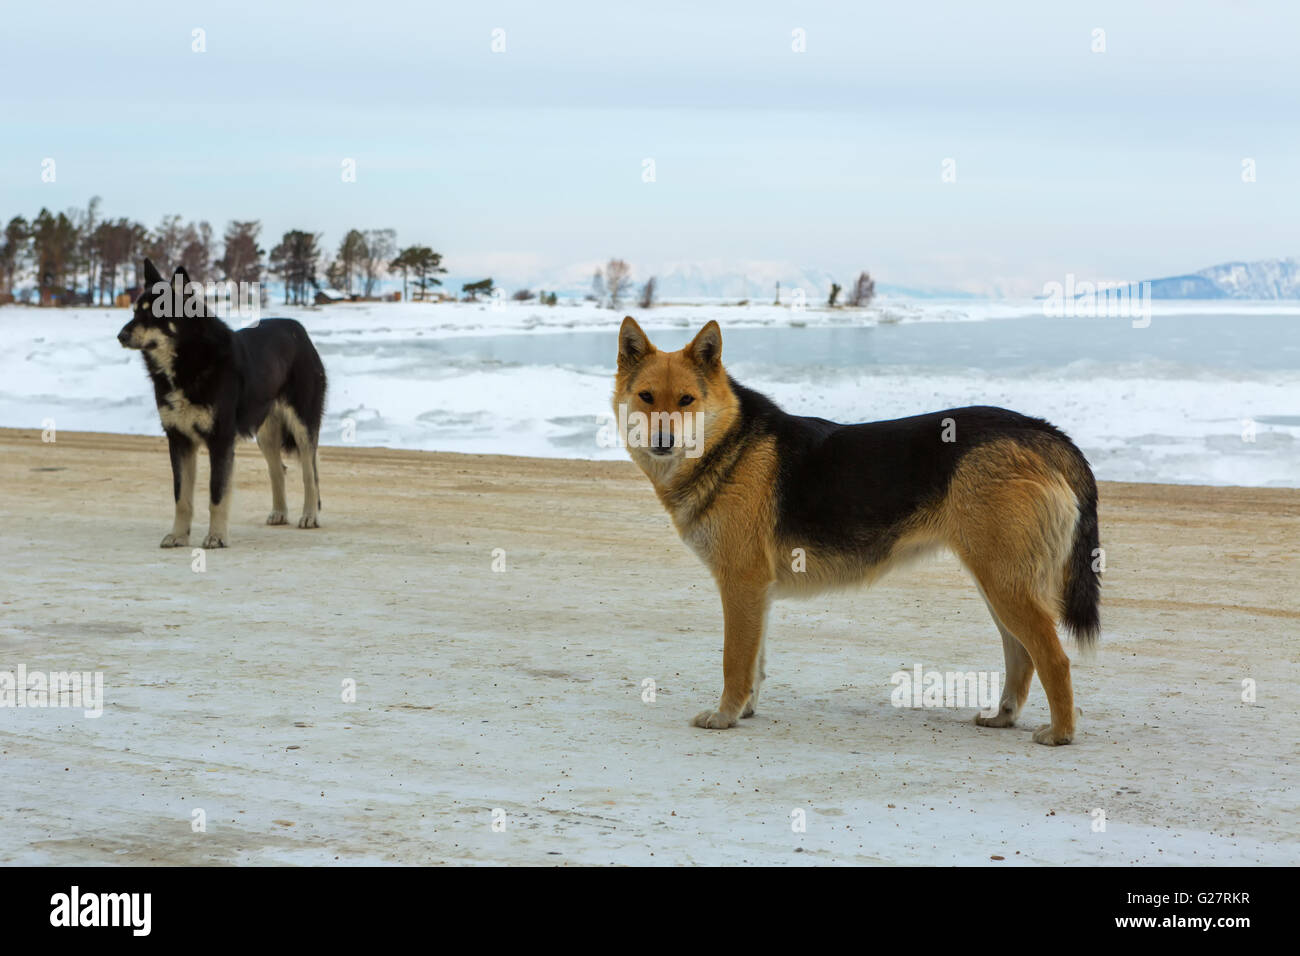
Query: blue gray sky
{"points": [[529, 162]]}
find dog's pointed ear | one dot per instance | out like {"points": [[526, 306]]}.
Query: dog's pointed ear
{"points": [[633, 345], [706, 348], [151, 274], [187, 295]]}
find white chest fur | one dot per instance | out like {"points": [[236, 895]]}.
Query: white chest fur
{"points": [[699, 537], [178, 413]]}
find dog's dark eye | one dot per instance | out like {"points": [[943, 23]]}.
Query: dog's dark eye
{"points": [[646, 397], [686, 400]]}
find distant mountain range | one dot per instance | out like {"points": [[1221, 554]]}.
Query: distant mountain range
{"points": [[1265, 279], [756, 281]]}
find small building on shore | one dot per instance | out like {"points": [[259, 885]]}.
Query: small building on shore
{"points": [[329, 296]]}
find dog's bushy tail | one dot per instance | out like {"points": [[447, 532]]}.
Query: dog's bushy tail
{"points": [[1082, 593]]}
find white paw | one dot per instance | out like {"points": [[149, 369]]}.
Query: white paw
{"points": [[308, 521], [176, 541], [277, 517], [713, 720], [214, 540]]}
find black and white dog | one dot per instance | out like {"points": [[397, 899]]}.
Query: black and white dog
{"points": [[213, 384]]}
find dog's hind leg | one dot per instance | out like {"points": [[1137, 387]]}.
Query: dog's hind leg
{"points": [[306, 443], [1006, 545], [315, 471], [185, 466], [269, 438], [1029, 621], [1019, 674], [1011, 518], [310, 485], [221, 460]]}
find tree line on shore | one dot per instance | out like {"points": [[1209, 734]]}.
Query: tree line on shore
{"points": [[80, 257]]}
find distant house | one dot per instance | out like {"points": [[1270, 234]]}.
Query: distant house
{"points": [[329, 296]]}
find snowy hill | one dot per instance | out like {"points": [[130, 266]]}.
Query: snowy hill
{"points": [[1264, 279]]}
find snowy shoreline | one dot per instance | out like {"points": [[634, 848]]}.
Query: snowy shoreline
{"points": [[532, 380]]}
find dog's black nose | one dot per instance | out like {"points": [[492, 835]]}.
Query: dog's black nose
{"points": [[122, 336]]}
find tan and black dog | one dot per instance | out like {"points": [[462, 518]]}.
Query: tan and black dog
{"points": [[778, 505]]}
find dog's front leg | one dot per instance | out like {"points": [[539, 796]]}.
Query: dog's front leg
{"points": [[221, 460], [744, 612], [185, 462]]}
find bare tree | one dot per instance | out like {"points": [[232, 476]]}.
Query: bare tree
{"points": [[54, 247], [864, 290], [334, 274], [122, 240], [353, 251], [835, 294], [90, 246], [12, 253], [196, 253], [295, 260], [618, 276], [242, 259], [647, 300], [165, 243], [381, 247]]}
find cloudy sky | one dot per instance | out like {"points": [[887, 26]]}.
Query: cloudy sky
{"points": [[522, 163]]}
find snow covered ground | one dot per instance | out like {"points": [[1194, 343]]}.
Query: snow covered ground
{"points": [[1208, 393]]}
